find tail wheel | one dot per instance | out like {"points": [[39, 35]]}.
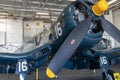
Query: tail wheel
{"points": [[110, 75]]}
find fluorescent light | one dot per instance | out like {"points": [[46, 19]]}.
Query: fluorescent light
{"points": [[36, 2], [42, 13], [71, 0], [53, 19], [2, 13], [44, 16], [112, 1]]}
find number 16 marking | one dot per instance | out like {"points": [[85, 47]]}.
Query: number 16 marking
{"points": [[103, 60], [22, 66]]}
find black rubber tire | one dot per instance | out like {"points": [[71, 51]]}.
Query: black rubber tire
{"points": [[110, 74]]}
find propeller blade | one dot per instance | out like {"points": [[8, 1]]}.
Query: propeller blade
{"points": [[86, 5], [68, 48], [110, 29]]}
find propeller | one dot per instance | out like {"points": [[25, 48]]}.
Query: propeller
{"points": [[75, 38], [100, 7], [68, 47], [110, 29]]}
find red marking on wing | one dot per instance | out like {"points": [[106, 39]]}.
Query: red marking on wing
{"points": [[72, 41]]}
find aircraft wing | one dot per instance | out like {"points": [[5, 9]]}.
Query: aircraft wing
{"points": [[31, 55], [24, 63], [113, 53]]}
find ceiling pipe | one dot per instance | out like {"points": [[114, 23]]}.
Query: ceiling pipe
{"points": [[112, 7]]}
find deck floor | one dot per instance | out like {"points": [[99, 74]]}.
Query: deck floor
{"points": [[63, 75]]}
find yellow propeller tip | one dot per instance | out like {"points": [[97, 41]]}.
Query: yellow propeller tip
{"points": [[50, 74]]}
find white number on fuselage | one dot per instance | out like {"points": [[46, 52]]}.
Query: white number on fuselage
{"points": [[23, 66], [103, 60], [58, 30]]}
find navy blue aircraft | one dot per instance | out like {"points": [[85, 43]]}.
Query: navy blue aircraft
{"points": [[78, 29]]}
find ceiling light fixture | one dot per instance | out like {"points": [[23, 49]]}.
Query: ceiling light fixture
{"points": [[53, 19], [3, 13], [42, 13], [71, 0], [112, 1]]}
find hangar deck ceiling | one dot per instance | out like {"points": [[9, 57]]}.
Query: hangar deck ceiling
{"points": [[29, 8]]}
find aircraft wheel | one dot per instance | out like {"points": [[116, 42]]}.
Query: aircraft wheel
{"points": [[110, 75]]}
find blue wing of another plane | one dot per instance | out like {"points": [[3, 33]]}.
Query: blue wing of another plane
{"points": [[110, 53], [35, 58]]}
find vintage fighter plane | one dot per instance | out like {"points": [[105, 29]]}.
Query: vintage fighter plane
{"points": [[79, 28]]}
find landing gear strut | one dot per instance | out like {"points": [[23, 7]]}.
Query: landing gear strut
{"points": [[110, 75], [107, 74]]}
